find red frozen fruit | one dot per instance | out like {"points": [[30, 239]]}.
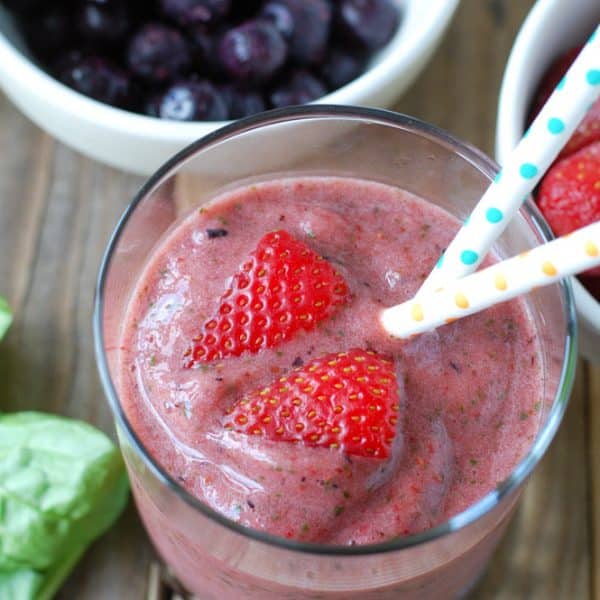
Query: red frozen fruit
{"points": [[281, 288], [347, 401], [569, 195]]}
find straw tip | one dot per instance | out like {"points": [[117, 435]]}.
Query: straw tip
{"points": [[389, 321]]}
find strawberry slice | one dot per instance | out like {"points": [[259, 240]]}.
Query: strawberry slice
{"points": [[282, 287], [587, 132], [569, 195], [347, 401]]}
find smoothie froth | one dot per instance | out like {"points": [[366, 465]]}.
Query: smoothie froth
{"points": [[470, 391]]}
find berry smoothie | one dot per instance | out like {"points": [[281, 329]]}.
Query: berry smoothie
{"points": [[463, 402]]}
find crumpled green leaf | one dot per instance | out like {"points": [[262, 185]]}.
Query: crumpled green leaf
{"points": [[5, 317], [23, 583], [62, 484]]}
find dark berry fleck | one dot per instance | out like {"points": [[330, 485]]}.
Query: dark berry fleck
{"points": [[299, 88], [298, 362], [251, 504], [305, 24], [193, 101], [216, 233], [194, 12], [254, 51], [369, 23], [158, 54]]}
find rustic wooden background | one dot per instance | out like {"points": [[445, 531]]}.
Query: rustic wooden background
{"points": [[57, 210]]}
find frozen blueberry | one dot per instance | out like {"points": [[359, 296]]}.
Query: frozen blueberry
{"points": [[203, 49], [48, 32], [305, 24], [192, 101], [103, 22], [369, 23], [242, 102], [281, 16], [341, 67], [245, 104], [158, 54], [254, 51], [299, 88], [194, 12], [152, 106], [97, 78]]}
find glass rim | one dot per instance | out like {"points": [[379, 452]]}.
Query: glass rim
{"points": [[384, 117]]}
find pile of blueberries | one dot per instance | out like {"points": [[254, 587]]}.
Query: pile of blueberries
{"points": [[209, 60]]}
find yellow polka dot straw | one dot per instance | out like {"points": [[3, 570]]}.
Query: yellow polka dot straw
{"points": [[546, 264], [525, 166]]}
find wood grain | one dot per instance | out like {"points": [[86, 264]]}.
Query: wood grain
{"points": [[57, 210], [593, 464]]}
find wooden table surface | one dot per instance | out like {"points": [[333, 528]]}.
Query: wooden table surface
{"points": [[57, 210]]}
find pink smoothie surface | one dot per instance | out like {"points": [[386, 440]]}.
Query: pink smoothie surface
{"points": [[471, 391]]}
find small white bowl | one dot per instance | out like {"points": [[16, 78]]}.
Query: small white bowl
{"points": [[141, 144], [551, 28]]}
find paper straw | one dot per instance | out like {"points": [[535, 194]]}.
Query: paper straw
{"points": [[541, 266], [536, 151]]}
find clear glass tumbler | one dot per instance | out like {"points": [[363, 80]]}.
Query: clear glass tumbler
{"points": [[217, 559]]}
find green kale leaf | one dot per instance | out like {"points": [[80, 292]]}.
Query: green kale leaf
{"points": [[5, 317], [62, 484]]}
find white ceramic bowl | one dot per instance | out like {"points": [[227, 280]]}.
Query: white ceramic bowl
{"points": [[551, 28], [141, 144]]}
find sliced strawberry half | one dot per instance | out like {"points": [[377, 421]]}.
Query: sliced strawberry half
{"points": [[587, 132], [282, 287], [569, 195], [347, 401]]}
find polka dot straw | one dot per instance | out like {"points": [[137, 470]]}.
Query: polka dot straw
{"points": [[525, 166], [573, 253]]}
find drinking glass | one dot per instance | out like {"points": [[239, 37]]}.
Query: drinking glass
{"points": [[217, 559]]}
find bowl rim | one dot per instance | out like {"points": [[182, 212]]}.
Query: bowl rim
{"points": [[377, 76], [510, 125], [475, 511]]}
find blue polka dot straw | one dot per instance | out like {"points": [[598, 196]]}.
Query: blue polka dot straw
{"points": [[541, 266], [534, 154]]}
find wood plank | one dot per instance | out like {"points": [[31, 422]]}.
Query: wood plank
{"points": [[593, 439], [458, 90], [57, 211]]}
